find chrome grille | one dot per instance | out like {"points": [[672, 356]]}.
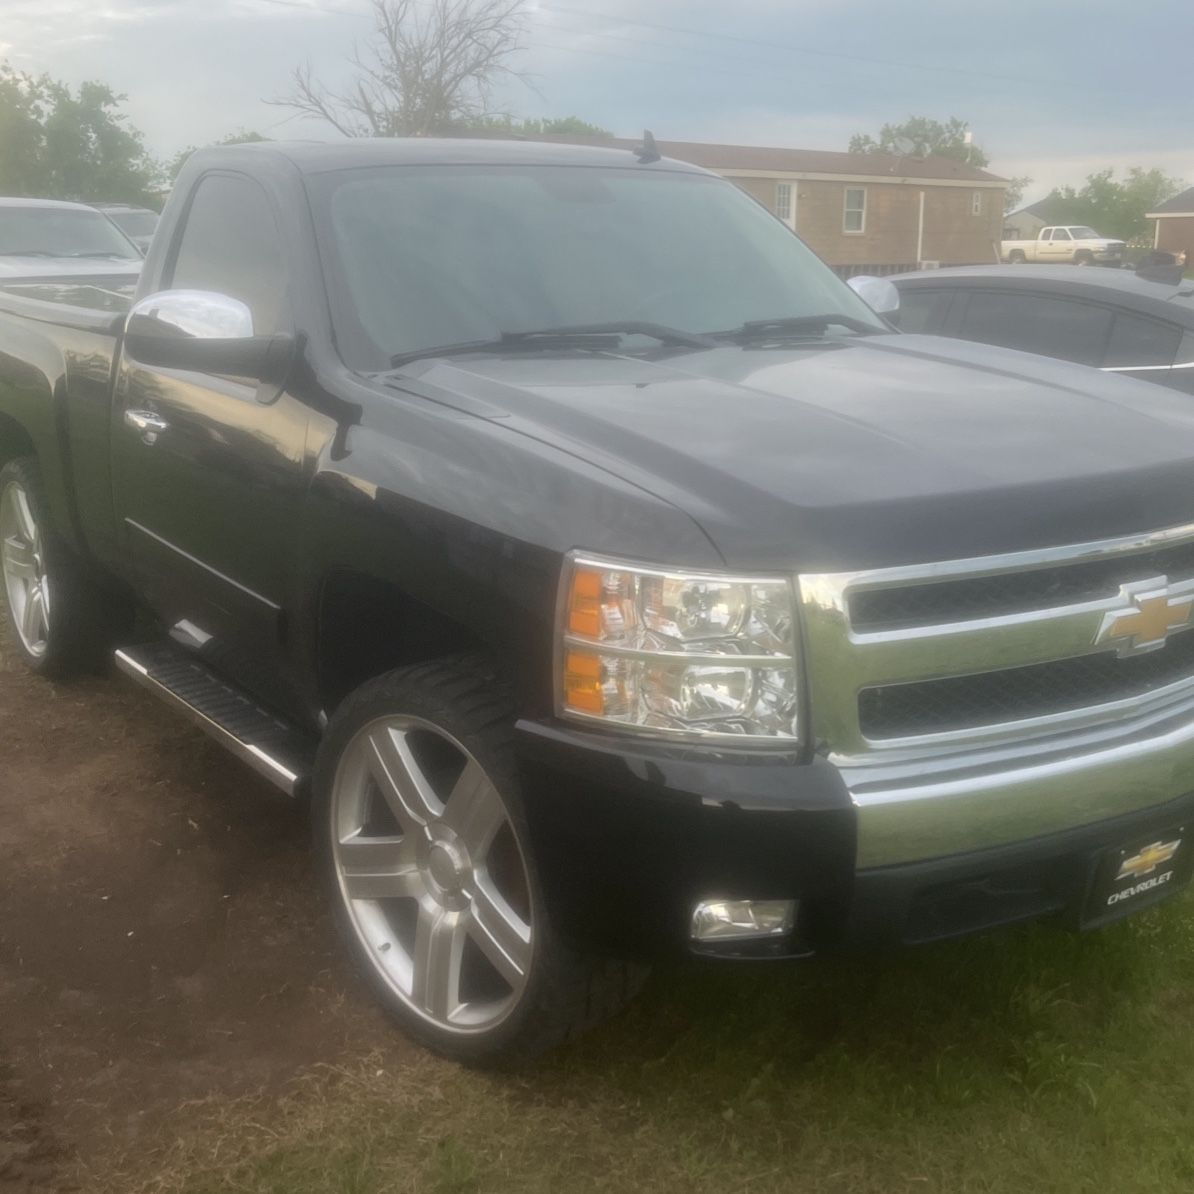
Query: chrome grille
{"points": [[918, 660], [967, 702], [1010, 592]]}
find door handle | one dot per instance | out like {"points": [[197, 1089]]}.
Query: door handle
{"points": [[148, 422]]}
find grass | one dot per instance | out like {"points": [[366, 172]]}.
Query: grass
{"points": [[1030, 1061]]}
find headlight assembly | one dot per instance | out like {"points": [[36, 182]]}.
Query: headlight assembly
{"points": [[677, 653]]}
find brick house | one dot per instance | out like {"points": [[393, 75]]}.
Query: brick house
{"points": [[861, 213], [1174, 227]]}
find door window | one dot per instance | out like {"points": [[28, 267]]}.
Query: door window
{"points": [[1052, 327], [922, 310], [1137, 340], [230, 244], [1061, 234]]}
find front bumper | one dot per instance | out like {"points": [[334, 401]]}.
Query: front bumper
{"points": [[630, 835]]}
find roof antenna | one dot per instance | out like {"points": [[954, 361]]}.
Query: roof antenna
{"points": [[648, 151]]}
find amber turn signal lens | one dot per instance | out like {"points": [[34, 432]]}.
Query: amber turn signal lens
{"points": [[584, 603], [582, 683]]}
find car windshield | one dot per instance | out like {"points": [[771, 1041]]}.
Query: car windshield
{"points": [[1081, 232], [136, 222], [424, 256], [61, 232]]}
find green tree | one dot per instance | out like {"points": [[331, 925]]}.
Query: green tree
{"points": [[1015, 192], [925, 136], [1112, 207], [62, 144], [240, 137]]}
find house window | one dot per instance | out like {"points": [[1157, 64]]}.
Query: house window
{"points": [[976, 203], [854, 212], [783, 202]]}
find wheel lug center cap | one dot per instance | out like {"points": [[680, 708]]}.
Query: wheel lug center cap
{"points": [[448, 865]]}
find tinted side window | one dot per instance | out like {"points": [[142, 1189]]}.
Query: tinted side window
{"points": [[922, 310], [230, 244], [1052, 327], [1136, 340]]}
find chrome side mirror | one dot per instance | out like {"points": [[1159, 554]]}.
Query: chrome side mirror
{"points": [[880, 294], [198, 314], [203, 332]]}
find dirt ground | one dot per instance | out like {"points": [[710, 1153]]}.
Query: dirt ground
{"points": [[161, 936]]}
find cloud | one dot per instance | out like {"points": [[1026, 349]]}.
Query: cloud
{"points": [[805, 73]]}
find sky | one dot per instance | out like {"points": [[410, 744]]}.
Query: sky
{"points": [[1052, 89]]}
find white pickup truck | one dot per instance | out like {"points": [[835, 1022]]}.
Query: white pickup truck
{"points": [[1074, 244]]}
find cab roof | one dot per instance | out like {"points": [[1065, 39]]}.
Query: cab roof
{"points": [[1094, 279], [56, 203], [315, 157]]}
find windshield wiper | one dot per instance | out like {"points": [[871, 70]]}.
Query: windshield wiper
{"points": [[27, 253], [796, 325], [114, 256], [591, 336]]}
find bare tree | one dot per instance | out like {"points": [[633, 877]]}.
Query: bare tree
{"points": [[430, 67]]}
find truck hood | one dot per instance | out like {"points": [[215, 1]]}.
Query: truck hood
{"points": [[68, 267], [860, 452]]}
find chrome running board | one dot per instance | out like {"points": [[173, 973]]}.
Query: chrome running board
{"points": [[271, 747]]}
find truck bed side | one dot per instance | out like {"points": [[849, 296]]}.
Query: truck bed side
{"points": [[58, 346]]}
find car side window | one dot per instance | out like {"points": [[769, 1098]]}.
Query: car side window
{"points": [[1061, 234], [230, 244], [922, 310], [1137, 340], [1052, 327]]}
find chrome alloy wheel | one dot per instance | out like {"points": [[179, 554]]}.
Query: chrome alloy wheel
{"points": [[23, 564], [432, 874]]}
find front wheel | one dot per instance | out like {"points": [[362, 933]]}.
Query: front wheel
{"points": [[424, 844]]}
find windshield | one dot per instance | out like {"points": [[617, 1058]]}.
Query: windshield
{"points": [[423, 256], [61, 232], [1081, 232], [134, 223]]}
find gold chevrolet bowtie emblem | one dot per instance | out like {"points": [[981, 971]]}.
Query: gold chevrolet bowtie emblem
{"points": [[1149, 613], [1148, 859]]}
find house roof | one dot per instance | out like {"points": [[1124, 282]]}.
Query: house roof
{"points": [[1041, 209], [798, 161], [1182, 204]]}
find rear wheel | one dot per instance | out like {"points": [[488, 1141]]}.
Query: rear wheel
{"points": [[419, 825], [1016, 257], [61, 620]]}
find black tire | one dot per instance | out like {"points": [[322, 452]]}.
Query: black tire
{"points": [[1016, 257], [83, 617], [566, 989], [1083, 258]]}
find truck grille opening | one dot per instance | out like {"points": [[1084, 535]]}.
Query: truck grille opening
{"points": [[1014, 694], [1013, 592]]}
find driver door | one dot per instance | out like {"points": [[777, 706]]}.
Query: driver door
{"points": [[208, 468]]}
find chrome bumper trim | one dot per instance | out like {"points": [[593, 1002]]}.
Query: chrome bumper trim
{"points": [[978, 807]]}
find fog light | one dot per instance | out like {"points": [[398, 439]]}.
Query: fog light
{"points": [[742, 920]]}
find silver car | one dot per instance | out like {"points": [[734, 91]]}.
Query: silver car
{"points": [[137, 223], [41, 238]]}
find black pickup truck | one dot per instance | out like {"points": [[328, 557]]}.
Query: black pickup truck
{"points": [[611, 577]]}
